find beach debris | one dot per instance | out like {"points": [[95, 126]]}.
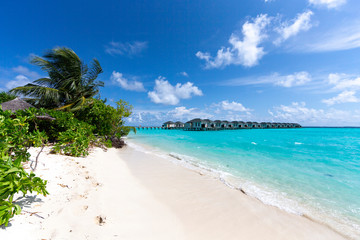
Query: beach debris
{"points": [[63, 185], [34, 213], [174, 156], [117, 142], [86, 207], [100, 220]]}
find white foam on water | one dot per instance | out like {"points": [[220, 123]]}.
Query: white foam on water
{"points": [[298, 143], [253, 143]]}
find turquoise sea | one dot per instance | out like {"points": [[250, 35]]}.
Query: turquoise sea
{"points": [[309, 171]]}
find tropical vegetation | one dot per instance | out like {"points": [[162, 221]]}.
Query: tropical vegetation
{"points": [[4, 96], [69, 83], [70, 117], [15, 139]]}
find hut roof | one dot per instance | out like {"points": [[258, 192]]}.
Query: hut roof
{"points": [[178, 122], [195, 120], [168, 122], [217, 121], [235, 122], [15, 104]]}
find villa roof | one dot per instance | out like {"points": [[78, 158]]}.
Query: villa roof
{"points": [[178, 122], [225, 121], [217, 121], [235, 122], [16, 104], [195, 120], [168, 122]]}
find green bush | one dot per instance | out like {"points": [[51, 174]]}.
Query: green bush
{"points": [[15, 139], [75, 141], [108, 121]]}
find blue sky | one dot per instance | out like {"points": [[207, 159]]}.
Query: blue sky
{"points": [[257, 60]]}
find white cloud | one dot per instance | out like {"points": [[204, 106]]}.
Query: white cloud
{"points": [[165, 93], [298, 112], [120, 80], [328, 3], [20, 80], [185, 74], [343, 81], [131, 49], [244, 52], [296, 79], [291, 80], [156, 118], [300, 23], [343, 37], [343, 97], [183, 113], [26, 72], [233, 106]]}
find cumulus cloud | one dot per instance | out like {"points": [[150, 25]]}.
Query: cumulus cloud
{"points": [[296, 79], [120, 80], [185, 74], [299, 112], [233, 106], [183, 113], [165, 93], [342, 81], [20, 80], [300, 23], [343, 97], [244, 52], [130, 49], [26, 72], [328, 3], [156, 118]]}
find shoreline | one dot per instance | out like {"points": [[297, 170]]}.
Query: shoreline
{"points": [[128, 194], [208, 173], [267, 196]]}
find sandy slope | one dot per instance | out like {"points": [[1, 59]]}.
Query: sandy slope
{"points": [[127, 194]]}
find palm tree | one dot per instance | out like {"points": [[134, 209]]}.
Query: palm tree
{"points": [[69, 84]]}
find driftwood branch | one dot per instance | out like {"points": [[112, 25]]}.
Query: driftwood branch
{"points": [[37, 158]]}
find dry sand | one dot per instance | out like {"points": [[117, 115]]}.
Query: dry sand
{"points": [[128, 194]]}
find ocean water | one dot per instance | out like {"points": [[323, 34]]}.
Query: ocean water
{"points": [[313, 172]]}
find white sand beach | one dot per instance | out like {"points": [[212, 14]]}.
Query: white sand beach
{"points": [[128, 194]]}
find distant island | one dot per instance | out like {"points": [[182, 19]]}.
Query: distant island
{"points": [[198, 124]]}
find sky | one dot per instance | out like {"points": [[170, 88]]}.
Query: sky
{"points": [[249, 60]]}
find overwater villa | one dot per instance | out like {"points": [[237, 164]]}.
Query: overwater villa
{"points": [[198, 124], [179, 125], [168, 125]]}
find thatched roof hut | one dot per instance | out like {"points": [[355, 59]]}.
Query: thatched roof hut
{"points": [[15, 104], [19, 104]]}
